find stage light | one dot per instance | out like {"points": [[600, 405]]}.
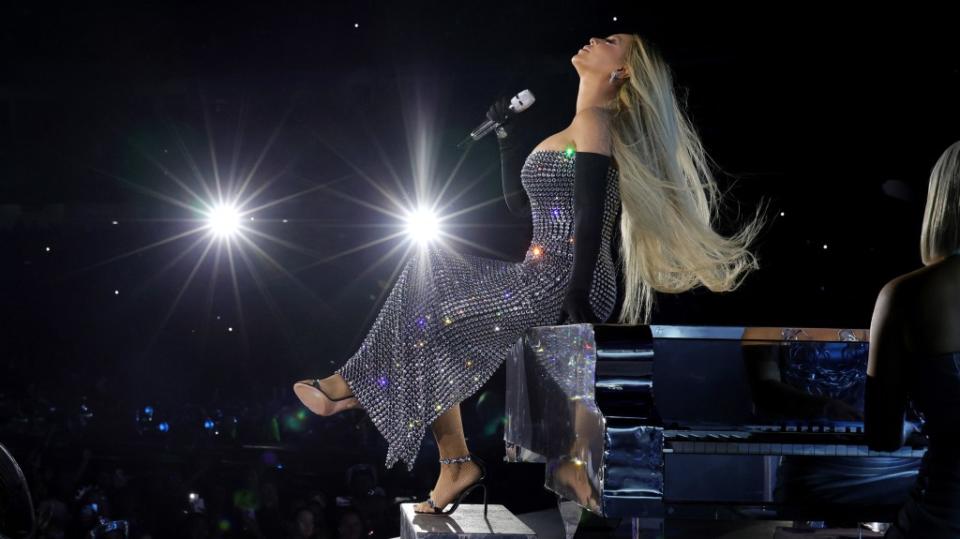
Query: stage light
{"points": [[208, 424], [223, 220], [422, 226], [163, 427]]}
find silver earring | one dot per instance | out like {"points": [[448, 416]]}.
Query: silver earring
{"points": [[613, 77]]}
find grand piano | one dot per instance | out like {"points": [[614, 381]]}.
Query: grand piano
{"points": [[661, 422]]}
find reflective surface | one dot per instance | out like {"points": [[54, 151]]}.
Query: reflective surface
{"points": [[467, 522]]}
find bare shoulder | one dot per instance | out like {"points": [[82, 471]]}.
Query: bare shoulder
{"points": [[917, 282], [901, 293], [591, 131], [900, 289], [891, 292]]}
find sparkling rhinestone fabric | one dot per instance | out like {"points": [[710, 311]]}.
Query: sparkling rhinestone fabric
{"points": [[450, 319]]}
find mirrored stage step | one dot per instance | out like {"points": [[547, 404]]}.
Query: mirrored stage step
{"points": [[467, 522]]}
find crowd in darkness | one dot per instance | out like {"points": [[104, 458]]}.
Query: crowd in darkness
{"points": [[86, 469], [166, 500]]}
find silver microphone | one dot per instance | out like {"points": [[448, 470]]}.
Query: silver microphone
{"points": [[518, 104]]}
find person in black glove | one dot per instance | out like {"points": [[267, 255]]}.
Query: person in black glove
{"points": [[449, 319]]}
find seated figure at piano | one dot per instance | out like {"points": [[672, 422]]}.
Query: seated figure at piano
{"points": [[915, 361]]}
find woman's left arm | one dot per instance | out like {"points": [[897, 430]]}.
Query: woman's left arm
{"points": [[886, 391], [591, 165]]}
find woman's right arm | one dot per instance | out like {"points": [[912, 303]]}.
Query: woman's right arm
{"points": [[512, 159], [885, 400], [513, 154]]}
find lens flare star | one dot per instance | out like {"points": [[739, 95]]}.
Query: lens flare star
{"points": [[422, 226], [223, 221]]}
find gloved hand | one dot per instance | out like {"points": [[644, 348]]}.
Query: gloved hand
{"points": [[589, 193], [576, 308], [513, 154], [500, 112]]}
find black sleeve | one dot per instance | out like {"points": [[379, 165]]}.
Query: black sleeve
{"points": [[589, 191], [512, 156]]}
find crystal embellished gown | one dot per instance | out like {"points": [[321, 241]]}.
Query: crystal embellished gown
{"points": [[451, 318]]}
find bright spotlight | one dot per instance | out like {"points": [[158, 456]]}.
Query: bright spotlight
{"points": [[223, 220], [422, 226]]}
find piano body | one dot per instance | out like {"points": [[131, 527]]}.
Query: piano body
{"points": [[651, 422]]}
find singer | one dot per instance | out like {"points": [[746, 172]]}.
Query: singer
{"points": [[629, 155]]}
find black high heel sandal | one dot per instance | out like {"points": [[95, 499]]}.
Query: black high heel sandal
{"points": [[466, 491]]}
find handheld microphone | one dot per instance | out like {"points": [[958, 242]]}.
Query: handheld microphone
{"points": [[518, 104]]}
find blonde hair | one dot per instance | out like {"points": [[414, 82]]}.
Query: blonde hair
{"points": [[668, 195], [941, 218]]}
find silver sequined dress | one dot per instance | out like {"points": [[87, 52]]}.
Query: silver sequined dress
{"points": [[450, 319]]}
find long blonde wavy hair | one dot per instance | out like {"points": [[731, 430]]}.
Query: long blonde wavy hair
{"points": [[940, 235], [668, 194]]}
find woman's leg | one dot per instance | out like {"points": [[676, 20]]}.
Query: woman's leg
{"points": [[448, 431]]}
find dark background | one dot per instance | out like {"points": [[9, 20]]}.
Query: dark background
{"points": [[833, 119]]}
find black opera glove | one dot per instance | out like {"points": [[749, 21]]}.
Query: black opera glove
{"points": [[513, 154], [589, 193]]}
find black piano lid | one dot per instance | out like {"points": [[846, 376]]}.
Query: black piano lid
{"points": [[705, 377]]}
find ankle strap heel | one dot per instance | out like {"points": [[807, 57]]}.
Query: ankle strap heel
{"points": [[467, 458], [469, 488], [456, 460]]}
